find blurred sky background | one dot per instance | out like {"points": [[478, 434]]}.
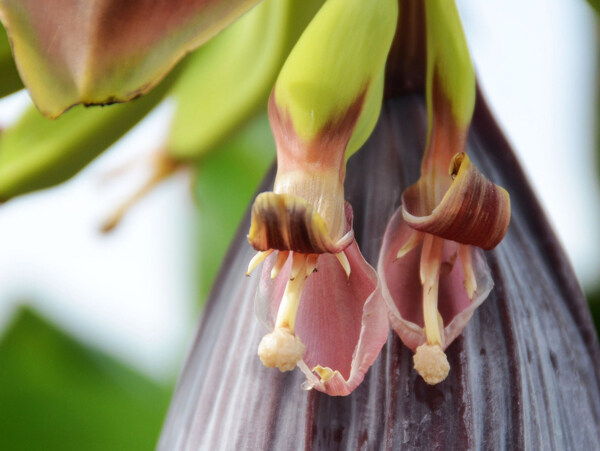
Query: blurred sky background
{"points": [[132, 293]]}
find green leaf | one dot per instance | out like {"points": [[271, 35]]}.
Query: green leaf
{"points": [[225, 184], [96, 52], [57, 394]]}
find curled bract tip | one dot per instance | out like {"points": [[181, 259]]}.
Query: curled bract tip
{"points": [[431, 363], [472, 211], [281, 349], [289, 223]]}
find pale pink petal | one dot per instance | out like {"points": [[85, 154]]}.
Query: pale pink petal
{"points": [[342, 321], [402, 290]]}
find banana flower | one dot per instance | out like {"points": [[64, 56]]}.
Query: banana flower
{"points": [[319, 297], [432, 245]]}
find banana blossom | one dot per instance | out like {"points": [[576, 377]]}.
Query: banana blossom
{"points": [[432, 245], [318, 296]]}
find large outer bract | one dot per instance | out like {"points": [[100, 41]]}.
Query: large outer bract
{"points": [[525, 371]]}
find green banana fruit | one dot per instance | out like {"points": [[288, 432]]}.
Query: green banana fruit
{"points": [[9, 77], [336, 69], [229, 79], [218, 88], [37, 152]]}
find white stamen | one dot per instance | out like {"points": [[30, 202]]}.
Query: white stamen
{"points": [[431, 257], [286, 315], [257, 260], [281, 259], [413, 241], [298, 264], [470, 282], [311, 264]]}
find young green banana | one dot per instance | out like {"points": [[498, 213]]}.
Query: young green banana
{"points": [[214, 99], [228, 80]]}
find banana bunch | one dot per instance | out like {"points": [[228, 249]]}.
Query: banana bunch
{"points": [[217, 89]]}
